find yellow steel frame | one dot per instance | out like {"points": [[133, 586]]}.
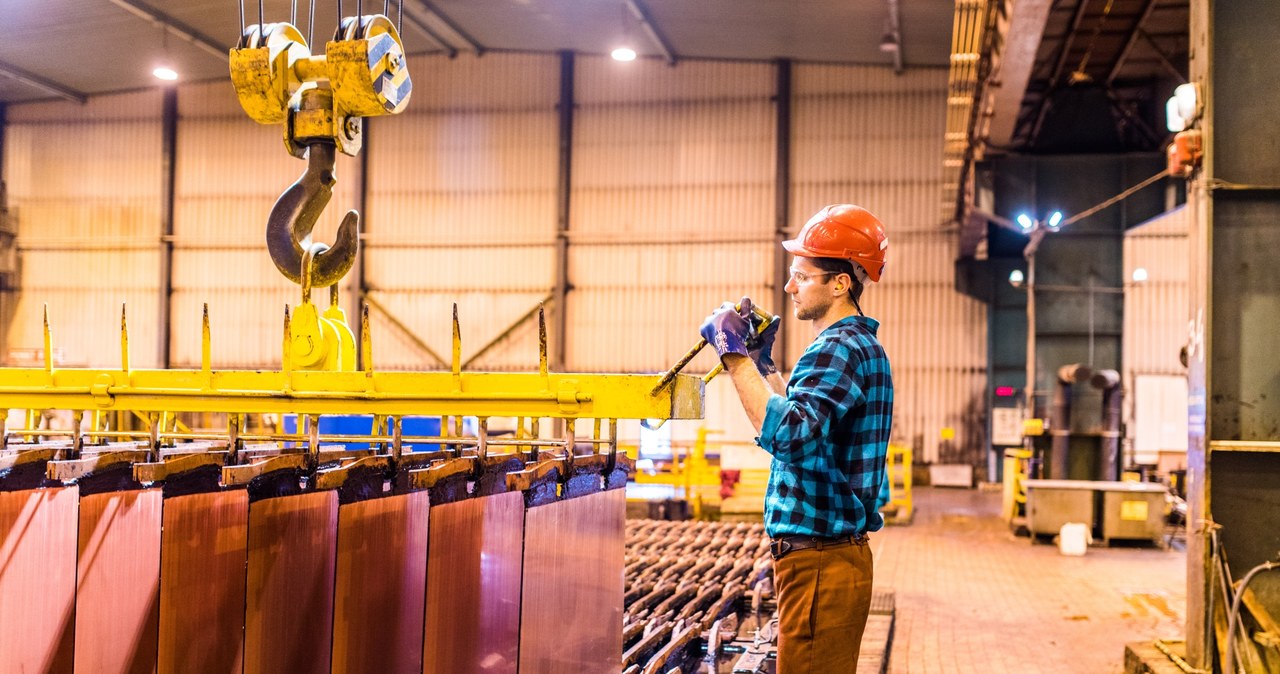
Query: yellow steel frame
{"points": [[898, 469], [318, 392]]}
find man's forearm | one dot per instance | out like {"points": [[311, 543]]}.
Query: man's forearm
{"points": [[776, 383], [753, 390]]}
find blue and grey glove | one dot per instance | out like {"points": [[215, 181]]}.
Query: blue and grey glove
{"points": [[727, 330], [760, 344]]}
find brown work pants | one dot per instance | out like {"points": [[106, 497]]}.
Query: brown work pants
{"points": [[824, 596]]}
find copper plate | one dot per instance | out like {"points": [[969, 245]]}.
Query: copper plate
{"points": [[381, 584], [118, 582], [473, 585], [571, 605], [202, 573], [289, 590], [37, 579]]}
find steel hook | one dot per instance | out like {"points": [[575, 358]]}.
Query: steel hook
{"points": [[294, 216]]}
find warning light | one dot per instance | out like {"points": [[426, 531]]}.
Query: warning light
{"points": [[1006, 391]]}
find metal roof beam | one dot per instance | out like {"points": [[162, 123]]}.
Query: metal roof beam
{"points": [[1130, 42], [651, 29], [451, 25], [46, 85], [171, 25], [1017, 60], [1047, 101], [422, 27]]}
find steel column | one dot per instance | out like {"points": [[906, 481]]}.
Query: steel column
{"points": [[564, 187], [782, 202], [1234, 400], [168, 176]]}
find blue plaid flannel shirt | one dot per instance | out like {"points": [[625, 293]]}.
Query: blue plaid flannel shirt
{"points": [[829, 435]]}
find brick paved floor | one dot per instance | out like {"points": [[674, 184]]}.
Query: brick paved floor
{"points": [[974, 599]]}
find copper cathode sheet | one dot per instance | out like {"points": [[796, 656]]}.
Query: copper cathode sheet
{"points": [[38, 529], [289, 590], [473, 585], [203, 552], [118, 582], [571, 605], [381, 584]]}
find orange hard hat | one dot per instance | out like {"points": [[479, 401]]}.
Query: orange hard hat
{"points": [[846, 232]]}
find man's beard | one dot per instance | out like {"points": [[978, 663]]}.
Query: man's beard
{"points": [[812, 311]]}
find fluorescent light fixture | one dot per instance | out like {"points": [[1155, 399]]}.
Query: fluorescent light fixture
{"points": [[1186, 96], [1016, 278], [1025, 222], [623, 54], [165, 73], [1172, 120], [1139, 275]]}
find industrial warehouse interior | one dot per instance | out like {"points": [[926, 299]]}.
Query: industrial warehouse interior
{"points": [[512, 336]]}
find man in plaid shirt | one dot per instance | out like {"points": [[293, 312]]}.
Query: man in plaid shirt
{"points": [[828, 431]]}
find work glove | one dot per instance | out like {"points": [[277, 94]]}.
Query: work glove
{"points": [[727, 330], [760, 344]]}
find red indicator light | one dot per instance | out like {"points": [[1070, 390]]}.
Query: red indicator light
{"points": [[1006, 391]]}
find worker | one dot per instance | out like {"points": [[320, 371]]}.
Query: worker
{"points": [[828, 432]]}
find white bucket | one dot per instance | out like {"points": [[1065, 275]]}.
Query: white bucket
{"points": [[1073, 539]]}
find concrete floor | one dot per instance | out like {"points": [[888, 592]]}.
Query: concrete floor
{"points": [[972, 598]]}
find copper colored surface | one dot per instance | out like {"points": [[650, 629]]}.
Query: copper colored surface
{"points": [[473, 585], [118, 582], [381, 584], [202, 573], [571, 607], [37, 579], [289, 590]]}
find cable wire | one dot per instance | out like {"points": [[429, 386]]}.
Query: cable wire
{"points": [[1230, 663], [1113, 200]]}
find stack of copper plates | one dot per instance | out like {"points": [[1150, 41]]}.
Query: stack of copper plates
{"points": [[195, 560]]}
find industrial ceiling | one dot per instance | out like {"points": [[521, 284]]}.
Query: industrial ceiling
{"points": [[74, 48]]}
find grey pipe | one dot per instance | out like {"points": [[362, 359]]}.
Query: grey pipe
{"points": [[1060, 417], [1112, 396], [1229, 665]]}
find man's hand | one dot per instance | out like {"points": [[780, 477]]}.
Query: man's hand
{"points": [[760, 344], [727, 329]]}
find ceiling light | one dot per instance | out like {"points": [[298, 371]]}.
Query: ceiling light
{"points": [[889, 43], [1025, 222], [1054, 219], [165, 73], [623, 54], [1139, 275], [1016, 278]]}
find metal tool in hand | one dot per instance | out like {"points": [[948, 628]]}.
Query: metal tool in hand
{"points": [[765, 320]]}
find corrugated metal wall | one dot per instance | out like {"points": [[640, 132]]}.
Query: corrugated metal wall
{"points": [[462, 208], [671, 207], [672, 212], [84, 184], [229, 173], [867, 136], [1156, 310]]}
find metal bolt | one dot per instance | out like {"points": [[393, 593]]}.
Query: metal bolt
{"points": [[396, 61], [352, 127]]}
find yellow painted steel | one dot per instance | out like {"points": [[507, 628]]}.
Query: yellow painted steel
{"points": [[614, 396], [898, 470], [1014, 493]]}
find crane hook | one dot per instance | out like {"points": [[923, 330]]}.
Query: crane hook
{"points": [[294, 216]]}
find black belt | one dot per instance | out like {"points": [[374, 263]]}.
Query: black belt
{"points": [[782, 545]]}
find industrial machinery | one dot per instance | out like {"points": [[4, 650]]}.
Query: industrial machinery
{"points": [[226, 550]]}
